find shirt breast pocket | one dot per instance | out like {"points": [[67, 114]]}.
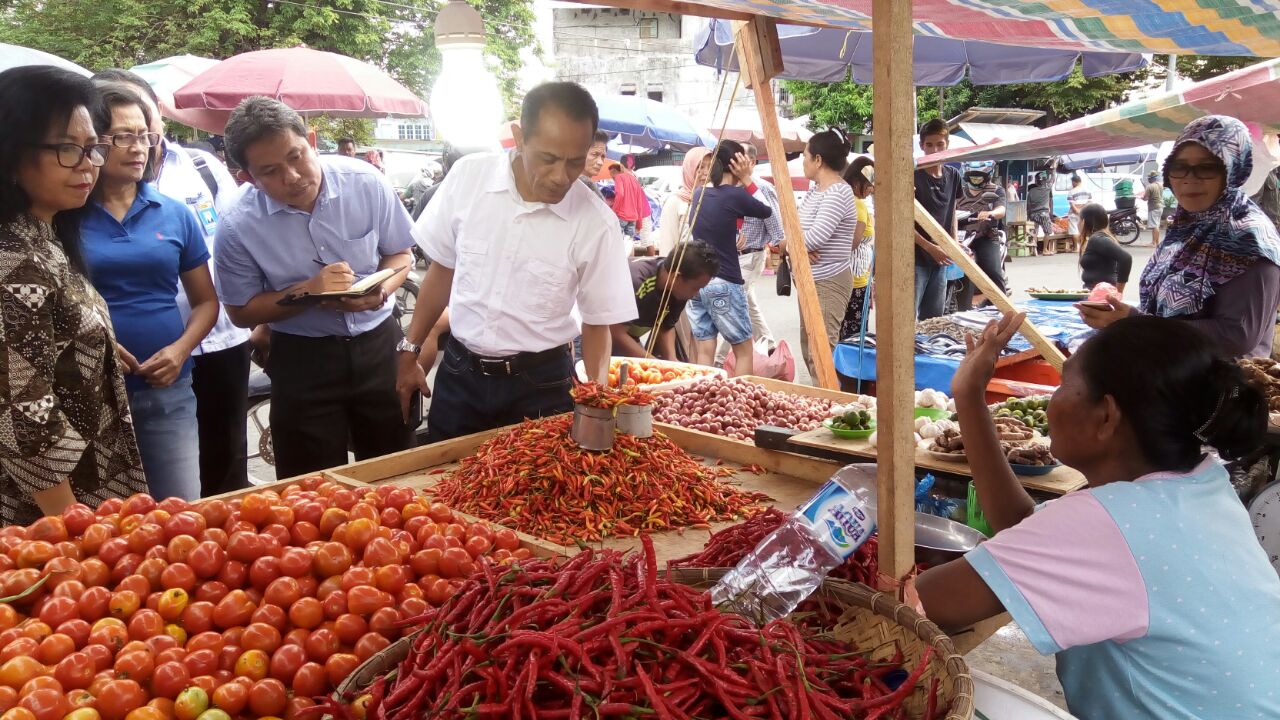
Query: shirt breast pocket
{"points": [[472, 264], [550, 291], [361, 252]]}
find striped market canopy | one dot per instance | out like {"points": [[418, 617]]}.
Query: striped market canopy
{"points": [[1185, 27], [1251, 94]]}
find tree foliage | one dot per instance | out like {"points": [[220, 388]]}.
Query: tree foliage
{"points": [[393, 34]]}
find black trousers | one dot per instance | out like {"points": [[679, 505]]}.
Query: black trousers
{"points": [[466, 401], [221, 384], [988, 253], [330, 391]]}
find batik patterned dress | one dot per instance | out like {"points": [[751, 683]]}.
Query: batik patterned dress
{"points": [[63, 410]]}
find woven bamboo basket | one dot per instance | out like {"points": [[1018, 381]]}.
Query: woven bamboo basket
{"points": [[870, 620]]}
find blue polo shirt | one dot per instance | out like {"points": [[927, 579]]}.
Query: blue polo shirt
{"points": [[135, 265]]}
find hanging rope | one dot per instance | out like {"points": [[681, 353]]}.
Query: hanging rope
{"points": [[686, 228]]}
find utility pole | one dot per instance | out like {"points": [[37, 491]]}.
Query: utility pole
{"points": [[1172, 73]]}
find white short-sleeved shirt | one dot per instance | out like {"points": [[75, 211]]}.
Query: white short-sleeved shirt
{"points": [[180, 179], [520, 267]]}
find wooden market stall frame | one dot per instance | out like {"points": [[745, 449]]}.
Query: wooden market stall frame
{"points": [[810, 470]]}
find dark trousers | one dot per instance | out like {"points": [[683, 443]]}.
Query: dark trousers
{"points": [[221, 384], [466, 401], [330, 390], [988, 253], [931, 290]]}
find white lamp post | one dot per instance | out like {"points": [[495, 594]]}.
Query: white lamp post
{"points": [[465, 103]]}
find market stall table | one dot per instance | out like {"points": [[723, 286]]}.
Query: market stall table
{"points": [[1060, 481], [787, 478], [1059, 321]]}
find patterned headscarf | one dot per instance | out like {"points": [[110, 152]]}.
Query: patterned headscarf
{"points": [[1206, 249], [692, 160]]}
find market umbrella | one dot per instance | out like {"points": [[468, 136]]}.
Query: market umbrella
{"points": [[167, 75], [12, 56], [312, 82], [648, 123], [830, 55], [743, 124]]}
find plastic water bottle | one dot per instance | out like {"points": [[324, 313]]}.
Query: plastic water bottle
{"points": [[791, 562]]}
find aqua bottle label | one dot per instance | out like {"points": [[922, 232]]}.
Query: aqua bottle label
{"points": [[838, 519]]}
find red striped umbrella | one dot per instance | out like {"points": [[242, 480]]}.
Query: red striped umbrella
{"points": [[312, 82]]}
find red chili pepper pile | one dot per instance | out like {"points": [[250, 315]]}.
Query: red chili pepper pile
{"points": [[593, 394], [727, 547], [605, 636], [534, 478]]}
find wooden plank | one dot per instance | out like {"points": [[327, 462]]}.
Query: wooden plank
{"points": [[956, 252], [798, 389], [1059, 482], [750, 59], [370, 471], [893, 113], [282, 484]]}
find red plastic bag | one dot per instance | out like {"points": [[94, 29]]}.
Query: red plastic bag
{"points": [[778, 364]]}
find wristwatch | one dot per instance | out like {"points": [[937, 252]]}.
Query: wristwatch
{"points": [[406, 346]]}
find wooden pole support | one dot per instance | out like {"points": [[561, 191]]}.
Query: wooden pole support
{"points": [[751, 60], [956, 252], [892, 120]]}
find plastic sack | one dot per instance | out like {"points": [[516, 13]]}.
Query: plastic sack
{"points": [[778, 364], [930, 505]]}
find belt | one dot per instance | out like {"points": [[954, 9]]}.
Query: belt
{"points": [[512, 364], [750, 252]]}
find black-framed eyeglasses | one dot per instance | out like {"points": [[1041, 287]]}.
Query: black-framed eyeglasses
{"points": [[1203, 171], [70, 155], [124, 140]]}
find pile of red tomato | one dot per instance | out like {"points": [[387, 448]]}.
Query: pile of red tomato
{"points": [[247, 608]]}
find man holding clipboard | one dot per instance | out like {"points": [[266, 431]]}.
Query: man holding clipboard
{"points": [[315, 249]]}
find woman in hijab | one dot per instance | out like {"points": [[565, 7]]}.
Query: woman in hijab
{"points": [[1218, 267], [697, 166]]}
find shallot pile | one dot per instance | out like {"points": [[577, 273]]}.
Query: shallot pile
{"points": [[735, 408]]}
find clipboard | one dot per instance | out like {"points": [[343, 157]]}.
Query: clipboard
{"points": [[360, 288]]}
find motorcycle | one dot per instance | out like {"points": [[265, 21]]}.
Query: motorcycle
{"points": [[1125, 225]]}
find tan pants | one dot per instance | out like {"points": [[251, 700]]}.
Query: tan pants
{"points": [[833, 298]]}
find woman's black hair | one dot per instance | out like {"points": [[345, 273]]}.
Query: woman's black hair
{"points": [[854, 176], [112, 95], [33, 101], [1175, 390], [723, 158], [1093, 218], [832, 146]]}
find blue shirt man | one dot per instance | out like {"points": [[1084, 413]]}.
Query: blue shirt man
{"points": [[311, 225]]}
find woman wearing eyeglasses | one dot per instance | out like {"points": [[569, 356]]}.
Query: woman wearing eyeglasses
{"points": [[138, 245], [1218, 267], [66, 434]]}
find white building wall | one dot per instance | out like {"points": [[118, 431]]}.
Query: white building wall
{"points": [[608, 51]]}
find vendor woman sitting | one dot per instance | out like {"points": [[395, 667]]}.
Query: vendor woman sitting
{"points": [[1149, 584]]}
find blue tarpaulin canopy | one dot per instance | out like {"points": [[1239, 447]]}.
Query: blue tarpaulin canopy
{"points": [[648, 123], [830, 55]]}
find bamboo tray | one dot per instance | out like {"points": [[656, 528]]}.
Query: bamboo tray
{"points": [[869, 619]]}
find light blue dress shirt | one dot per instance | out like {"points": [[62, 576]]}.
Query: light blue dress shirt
{"points": [[266, 246]]}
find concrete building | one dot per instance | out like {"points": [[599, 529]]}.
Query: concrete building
{"points": [[619, 51]]}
